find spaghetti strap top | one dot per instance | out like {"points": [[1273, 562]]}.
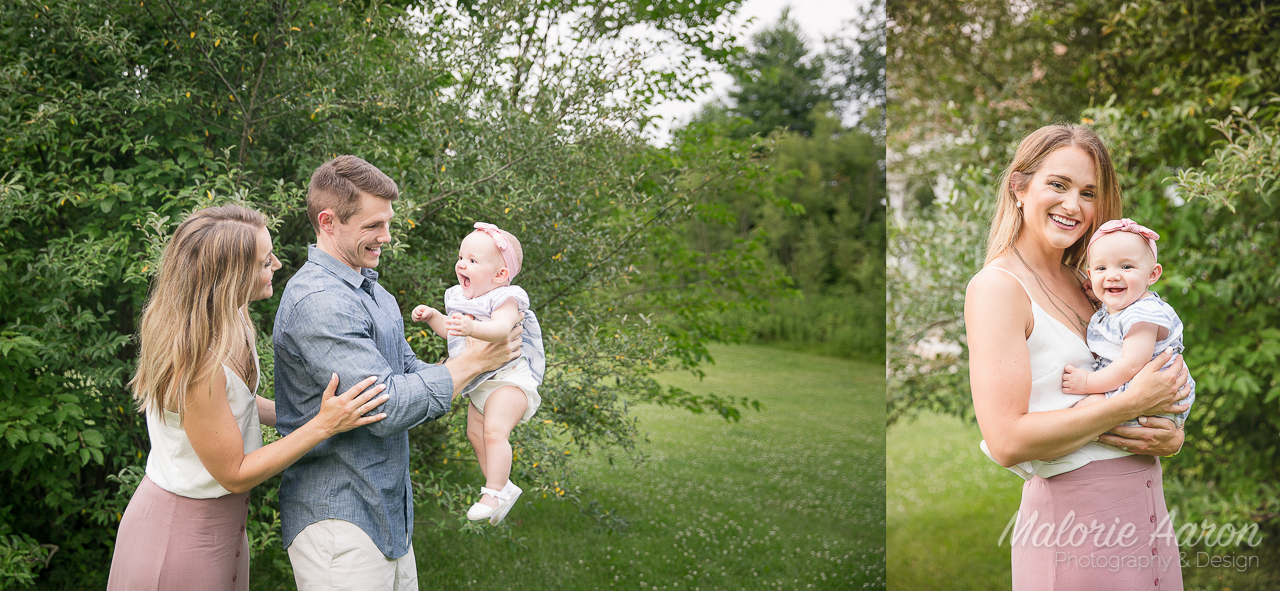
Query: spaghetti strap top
{"points": [[1052, 346], [173, 464]]}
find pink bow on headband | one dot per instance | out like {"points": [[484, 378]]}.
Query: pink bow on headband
{"points": [[504, 247], [1127, 225]]}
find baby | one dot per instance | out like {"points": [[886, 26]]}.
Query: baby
{"points": [[1134, 324], [484, 305]]}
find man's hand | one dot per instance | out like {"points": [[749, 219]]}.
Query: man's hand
{"points": [[495, 355], [424, 313], [459, 325], [1074, 380], [482, 356]]}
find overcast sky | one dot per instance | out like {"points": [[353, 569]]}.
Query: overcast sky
{"points": [[818, 19]]}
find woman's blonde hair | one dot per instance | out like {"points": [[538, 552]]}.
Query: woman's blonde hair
{"points": [[209, 271], [1007, 221]]}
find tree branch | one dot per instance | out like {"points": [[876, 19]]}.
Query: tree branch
{"points": [[466, 186], [626, 241]]}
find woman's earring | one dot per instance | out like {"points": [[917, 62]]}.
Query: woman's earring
{"points": [[1018, 204]]}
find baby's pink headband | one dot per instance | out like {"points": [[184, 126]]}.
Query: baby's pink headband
{"points": [[509, 256], [1127, 225]]}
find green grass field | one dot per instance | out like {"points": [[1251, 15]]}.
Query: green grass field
{"points": [[948, 505], [788, 498]]}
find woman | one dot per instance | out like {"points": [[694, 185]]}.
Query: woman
{"points": [[196, 380], [1025, 317]]}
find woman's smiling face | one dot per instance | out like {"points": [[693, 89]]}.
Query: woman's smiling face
{"points": [[1058, 203], [268, 264]]}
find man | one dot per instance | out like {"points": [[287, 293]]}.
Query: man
{"points": [[347, 506]]}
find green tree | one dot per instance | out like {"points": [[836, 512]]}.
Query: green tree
{"points": [[777, 84], [857, 56], [120, 119], [823, 222]]}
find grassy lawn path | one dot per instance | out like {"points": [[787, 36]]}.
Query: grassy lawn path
{"points": [[948, 505], [788, 498]]}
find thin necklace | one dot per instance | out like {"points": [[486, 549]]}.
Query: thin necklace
{"points": [[243, 365], [1083, 323]]}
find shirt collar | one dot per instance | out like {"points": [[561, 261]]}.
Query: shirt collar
{"points": [[341, 270]]}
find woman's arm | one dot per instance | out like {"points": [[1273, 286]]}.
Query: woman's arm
{"points": [[997, 316], [211, 427], [494, 330], [266, 411], [1135, 351]]}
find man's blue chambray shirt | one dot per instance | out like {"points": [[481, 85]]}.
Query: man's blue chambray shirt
{"points": [[333, 319]]}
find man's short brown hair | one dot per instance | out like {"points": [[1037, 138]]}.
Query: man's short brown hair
{"points": [[337, 186]]}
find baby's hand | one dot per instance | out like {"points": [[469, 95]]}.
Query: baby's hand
{"points": [[459, 325], [1073, 380], [1087, 286], [424, 313]]}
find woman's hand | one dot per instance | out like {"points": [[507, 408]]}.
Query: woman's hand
{"points": [[1155, 392], [1158, 437], [346, 411]]}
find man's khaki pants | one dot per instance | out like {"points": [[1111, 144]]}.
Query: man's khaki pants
{"points": [[335, 554]]}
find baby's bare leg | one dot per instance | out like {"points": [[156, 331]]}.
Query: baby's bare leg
{"points": [[1090, 399], [502, 410], [475, 434]]}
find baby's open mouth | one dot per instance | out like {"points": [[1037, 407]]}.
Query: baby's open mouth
{"points": [[466, 281]]}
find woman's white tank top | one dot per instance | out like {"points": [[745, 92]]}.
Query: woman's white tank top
{"points": [[173, 464], [1052, 347]]}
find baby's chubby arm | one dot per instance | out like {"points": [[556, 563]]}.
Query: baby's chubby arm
{"points": [[433, 318], [497, 328], [1136, 351]]}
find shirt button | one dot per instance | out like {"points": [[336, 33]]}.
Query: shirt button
{"points": [[1157, 582], [1153, 551], [233, 578], [1153, 519], [1148, 484], [237, 554]]}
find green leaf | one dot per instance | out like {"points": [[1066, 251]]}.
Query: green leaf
{"points": [[92, 438]]}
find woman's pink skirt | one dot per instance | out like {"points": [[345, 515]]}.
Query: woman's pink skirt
{"points": [[171, 542], [1103, 526]]}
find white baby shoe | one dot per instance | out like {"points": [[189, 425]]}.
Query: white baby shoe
{"points": [[506, 500], [480, 510]]}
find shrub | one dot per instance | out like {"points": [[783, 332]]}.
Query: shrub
{"points": [[119, 120]]}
